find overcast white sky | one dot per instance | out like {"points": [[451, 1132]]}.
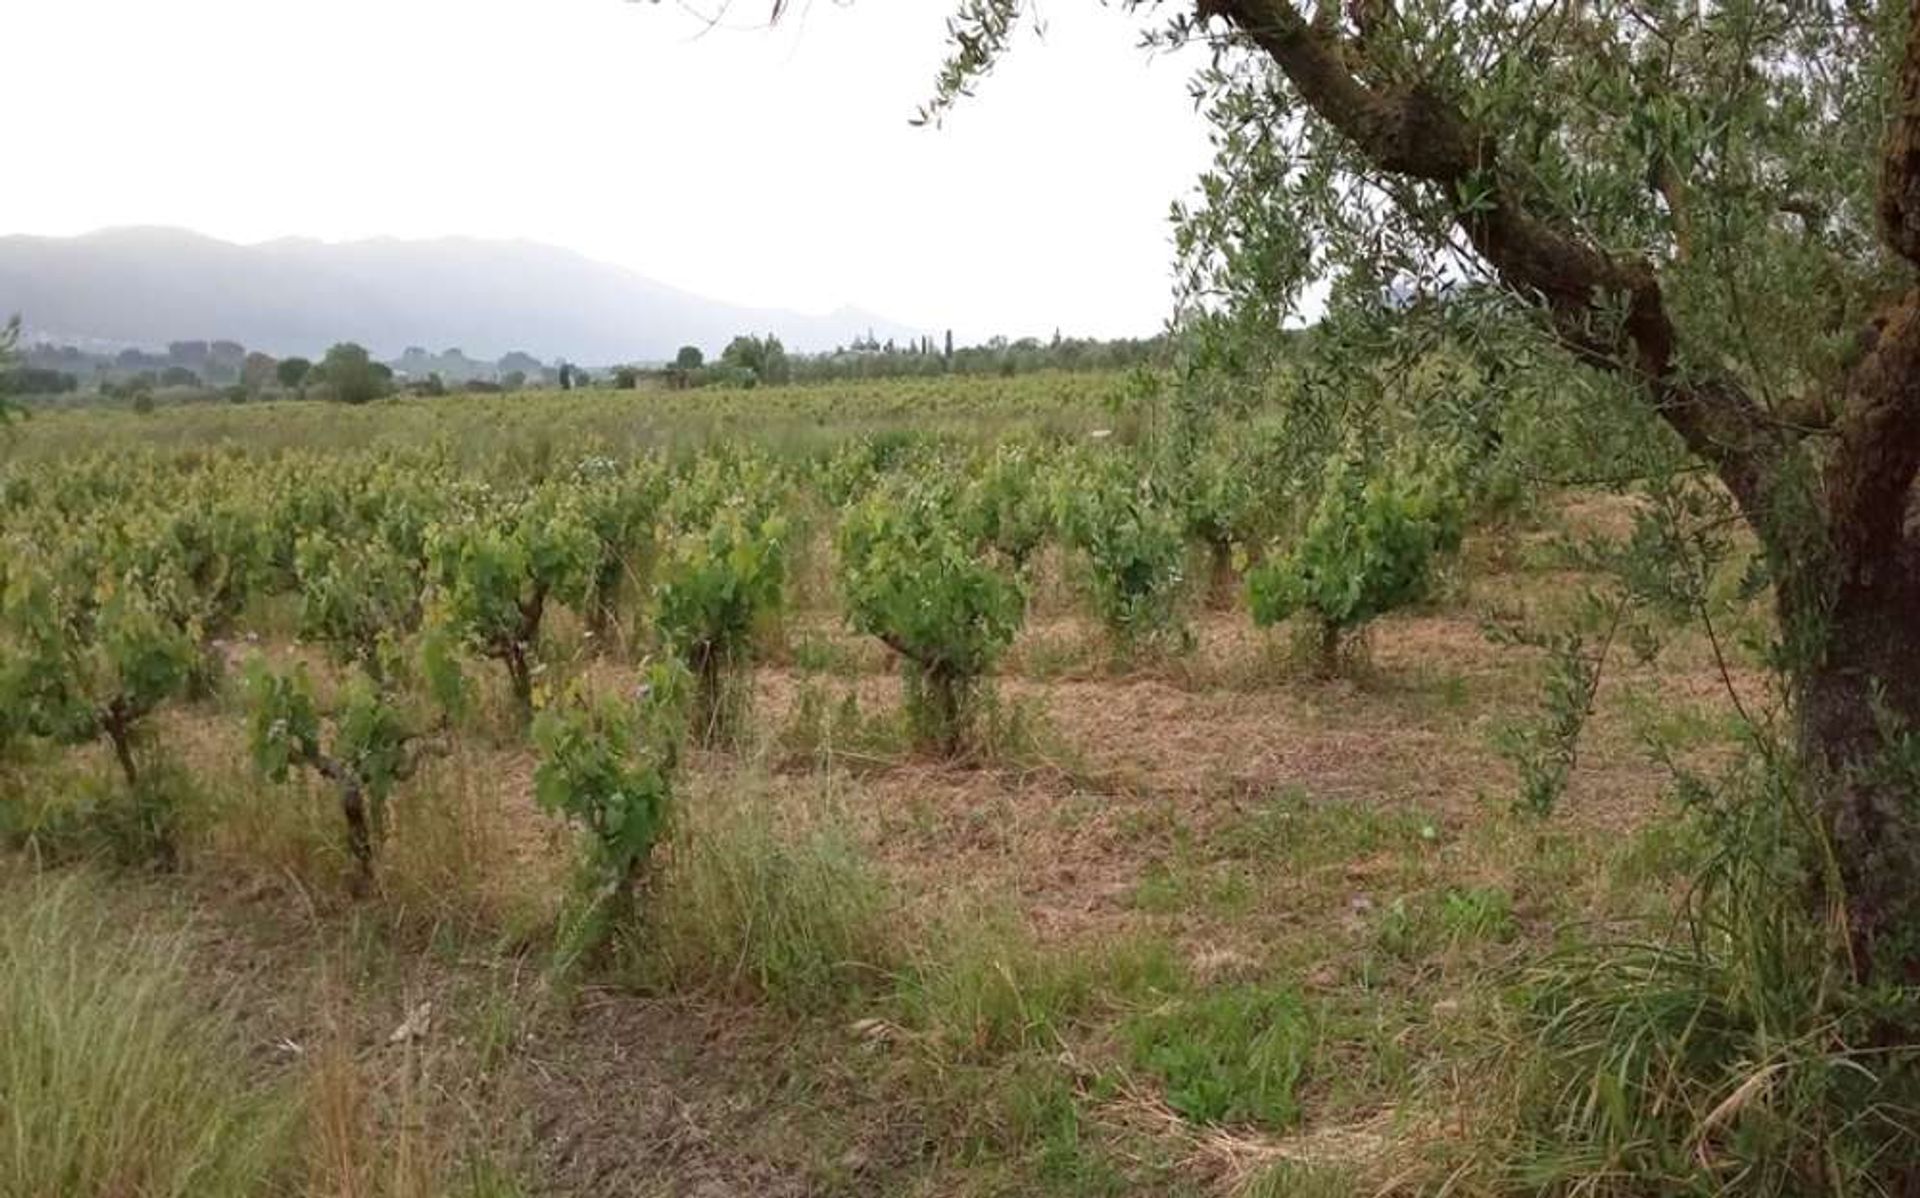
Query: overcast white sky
{"points": [[760, 167]]}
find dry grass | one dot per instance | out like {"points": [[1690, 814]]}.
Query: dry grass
{"points": [[113, 1078], [368, 1128]]}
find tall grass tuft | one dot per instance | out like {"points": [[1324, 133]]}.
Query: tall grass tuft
{"points": [[1736, 1057], [111, 1081], [795, 916], [450, 861], [989, 988]]}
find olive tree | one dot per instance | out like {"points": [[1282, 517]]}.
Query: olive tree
{"points": [[1716, 208]]}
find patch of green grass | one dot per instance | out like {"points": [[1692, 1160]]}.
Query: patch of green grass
{"points": [[1674, 726], [1655, 855], [1292, 828], [1403, 930], [1044, 1115], [1029, 1124], [1021, 1127], [817, 653], [113, 1080], [496, 1027], [1267, 664], [1182, 884], [823, 731], [1156, 820], [1163, 890], [1675, 1070], [1372, 1043], [1045, 657], [1548, 863], [1476, 913], [1016, 732], [988, 988], [1234, 1055], [75, 814], [1458, 917], [995, 1019], [1435, 696], [485, 1179]]}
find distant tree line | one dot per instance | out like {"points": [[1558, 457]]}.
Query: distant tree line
{"points": [[750, 360], [36, 380], [868, 358], [189, 371]]}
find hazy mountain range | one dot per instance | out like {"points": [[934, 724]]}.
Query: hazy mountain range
{"points": [[146, 287]]}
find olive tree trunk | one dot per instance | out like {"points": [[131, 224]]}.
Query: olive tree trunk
{"points": [[1857, 706]]}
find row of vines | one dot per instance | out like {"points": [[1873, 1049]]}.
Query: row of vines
{"points": [[354, 604]]}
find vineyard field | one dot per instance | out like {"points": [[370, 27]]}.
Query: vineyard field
{"points": [[800, 418], [912, 787], [1260, 600]]}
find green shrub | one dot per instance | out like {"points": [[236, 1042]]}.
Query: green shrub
{"points": [[1005, 506], [1226, 497], [609, 767], [363, 750], [1369, 547], [620, 505], [89, 658], [914, 580], [495, 575], [714, 586], [358, 597], [201, 557], [1129, 533]]}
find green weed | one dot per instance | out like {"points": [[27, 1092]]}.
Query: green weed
{"points": [[1453, 919], [1236, 1055], [1290, 1179]]}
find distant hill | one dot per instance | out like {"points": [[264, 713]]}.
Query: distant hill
{"points": [[146, 287]]}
